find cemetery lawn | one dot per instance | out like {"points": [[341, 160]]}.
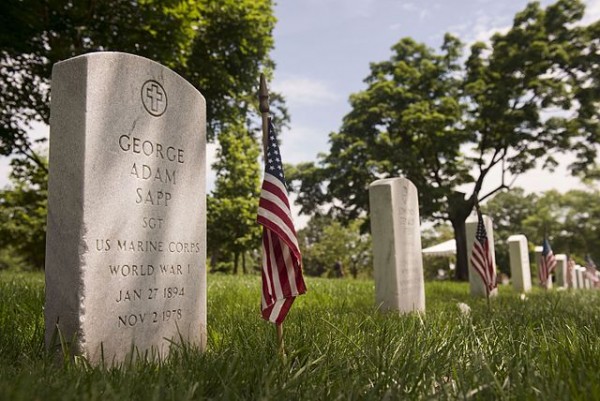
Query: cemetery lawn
{"points": [[546, 347]]}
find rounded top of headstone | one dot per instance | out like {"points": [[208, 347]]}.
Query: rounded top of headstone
{"points": [[560, 256], [116, 57], [473, 218], [517, 238], [393, 181]]}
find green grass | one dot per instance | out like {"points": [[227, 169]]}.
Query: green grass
{"points": [[338, 347]]}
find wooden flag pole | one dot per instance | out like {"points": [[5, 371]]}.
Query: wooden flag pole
{"points": [[263, 99], [280, 344]]}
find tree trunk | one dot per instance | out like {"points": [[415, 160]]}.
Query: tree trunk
{"points": [[459, 209], [462, 264], [244, 263], [236, 259]]}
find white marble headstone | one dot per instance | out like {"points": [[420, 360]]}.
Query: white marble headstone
{"points": [[573, 273], [520, 270], [580, 280], [475, 282], [587, 283], [560, 271], [125, 260], [397, 259]]}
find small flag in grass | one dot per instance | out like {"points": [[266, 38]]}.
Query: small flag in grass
{"points": [[590, 270], [547, 263], [282, 279], [481, 256]]}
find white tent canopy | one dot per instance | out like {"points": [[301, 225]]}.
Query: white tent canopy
{"points": [[446, 248]]}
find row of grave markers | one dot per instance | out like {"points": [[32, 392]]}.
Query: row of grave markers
{"points": [[567, 274], [126, 230], [398, 266]]}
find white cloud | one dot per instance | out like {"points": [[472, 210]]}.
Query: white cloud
{"points": [[483, 35], [211, 157], [300, 220], [482, 29], [4, 172], [305, 91], [345, 8], [421, 10], [409, 7], [302, 144], [37, 131], [592, 11]]}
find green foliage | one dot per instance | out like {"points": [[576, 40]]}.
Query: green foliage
{"points": [[508, 211], [330, 248], [571, 221], [338, 347], [23, 210], [442, 124], [578, 231], [9, 259], [218, 46], [405, 123], [233, 204], [308, 180]]}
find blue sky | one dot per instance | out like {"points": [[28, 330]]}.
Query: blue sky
{"points": [[323, 49]]}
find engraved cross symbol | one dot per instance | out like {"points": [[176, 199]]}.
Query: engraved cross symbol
{"points": [[154, 98], [154, 92]]}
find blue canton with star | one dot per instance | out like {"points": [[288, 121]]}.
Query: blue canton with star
{"points": [[481, 234], [273, 163]]}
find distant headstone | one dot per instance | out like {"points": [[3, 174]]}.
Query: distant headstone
{"points": [[519, 263], [475, 282], [587, 283], [572, 268], [561, 270], [125, 259], [397, 260], [579, 272]]}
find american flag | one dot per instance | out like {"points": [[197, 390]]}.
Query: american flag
{"points": [[481, 257], [547, 263], [282, 279], [590, 270]]}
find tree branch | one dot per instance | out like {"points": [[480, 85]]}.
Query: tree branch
{"points": [[30, 154], [499, 188]]}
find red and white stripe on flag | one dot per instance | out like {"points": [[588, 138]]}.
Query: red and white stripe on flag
{"points": [[282, 279], [547, 263], [481, 257]]}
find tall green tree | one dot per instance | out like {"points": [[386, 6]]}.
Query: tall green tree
{"points": [[326, 243], [233, 204], [510, 211], [570, 220], [443, 124], [220, 46], [23, 212]]}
